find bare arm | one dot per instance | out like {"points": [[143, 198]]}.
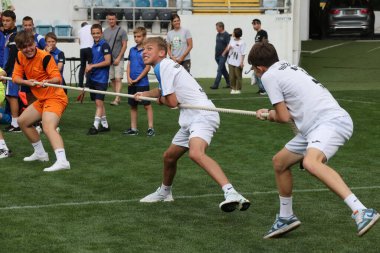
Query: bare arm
{"points": [[280, 113], [106, 62], [122, 52], [188, 49], [142, 75]]}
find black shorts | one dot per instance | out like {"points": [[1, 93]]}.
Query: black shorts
{"points": [[97, 86], [132, 90]]}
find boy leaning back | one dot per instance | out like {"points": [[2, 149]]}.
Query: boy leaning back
{"points": [[137, 74], [38, 65], [323, 126], [177, 86], [98, 72]]}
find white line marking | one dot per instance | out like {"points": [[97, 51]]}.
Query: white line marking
{"points": [[324, 48], [373, 49], [357, 101], [107, 202]]}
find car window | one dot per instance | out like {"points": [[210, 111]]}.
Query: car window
{"points": [[349, 3]]}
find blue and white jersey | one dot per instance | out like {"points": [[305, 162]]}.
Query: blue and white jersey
{"points": [[308, 101], [173, 78], [99, 50], [40, 41], [137, 66]]}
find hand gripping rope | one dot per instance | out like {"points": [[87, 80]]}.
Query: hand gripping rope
{"points": [[183, 106]]}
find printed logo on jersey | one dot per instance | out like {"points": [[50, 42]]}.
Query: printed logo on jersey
{"points": [[177, 66]]}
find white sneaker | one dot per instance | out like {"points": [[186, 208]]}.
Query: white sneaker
{"points": [[233, 92], [39, 130], [37, 157], [234, 201], [238, 92], [58, 165], [4, 153], [157, 197]]}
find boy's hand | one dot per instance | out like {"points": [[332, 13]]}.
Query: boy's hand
{"points": [[262, 114], [138, 95], [88, 68]]}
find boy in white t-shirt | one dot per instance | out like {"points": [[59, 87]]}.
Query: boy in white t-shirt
{"points": [[177, 86], [323, 126], [236, 54]]}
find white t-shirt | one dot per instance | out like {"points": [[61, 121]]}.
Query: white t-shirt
{"points": [[308, 101], [173, 78], [178, 42], [85, 37], [237, 50]]}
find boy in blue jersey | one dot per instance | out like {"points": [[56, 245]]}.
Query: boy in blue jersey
{"points": [[177, 86], [4, 151], [59, 57], [99, 73], [28, 25], [137, 75]]}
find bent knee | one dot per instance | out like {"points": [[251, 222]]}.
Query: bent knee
{"points": [[310, 164]]}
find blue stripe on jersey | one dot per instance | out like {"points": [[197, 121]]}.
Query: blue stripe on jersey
{"points": [[158, 75]]}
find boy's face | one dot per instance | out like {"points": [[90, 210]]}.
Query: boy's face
{"points": [[96, 34], [256, 26], [8, 23], [29, 51], [152, 54], [28, 25], [51, 43], [139, 38]]}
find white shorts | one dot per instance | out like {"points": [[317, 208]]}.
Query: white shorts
{"points": [[117, 71], [202, 127], [327, 137]]}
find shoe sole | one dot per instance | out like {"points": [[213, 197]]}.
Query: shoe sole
{"points": [[244, 206], [56, 170], [370, 225], [284, 230], [163, 200], [40, 160], [230, 207]]}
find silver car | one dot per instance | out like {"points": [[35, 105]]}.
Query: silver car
{"points": [[351, 16]]}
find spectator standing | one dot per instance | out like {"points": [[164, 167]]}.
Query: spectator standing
{"points": [[261, 36], [85, 41], [28, 25], [59, 56], [117, 39], [180, 43], [4, 151], [9, 57], [236, 54], [222, 41], [137, 73]]}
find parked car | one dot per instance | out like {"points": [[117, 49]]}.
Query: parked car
{"points": [[351, 16]]}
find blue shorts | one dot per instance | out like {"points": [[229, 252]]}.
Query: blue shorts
{"points": [[12, 89], [5, 118], [132, 90], [97, 86]]}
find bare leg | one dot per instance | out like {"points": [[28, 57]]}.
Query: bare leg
{"points": [[171, 156]]}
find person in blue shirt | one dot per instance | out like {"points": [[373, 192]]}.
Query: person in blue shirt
{"points": [[137, 75], [98, 72], [59, 57]]}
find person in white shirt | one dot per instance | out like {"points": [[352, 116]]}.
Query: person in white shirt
{"points": [[85, 41], [323, 126], [236, 54], [177, 86]]}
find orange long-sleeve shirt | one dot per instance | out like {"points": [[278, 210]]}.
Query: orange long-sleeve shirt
{"points": [[33, 69]]}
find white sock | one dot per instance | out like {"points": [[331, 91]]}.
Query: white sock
{"points": [[60, 154], [165, 190], [14, 122], [97, 122], [3, 145], [228, 188], [38, 147], [286, 206], [354, 203], [104, 122]]}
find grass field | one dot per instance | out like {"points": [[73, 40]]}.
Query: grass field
{"points": [[94, 207]]}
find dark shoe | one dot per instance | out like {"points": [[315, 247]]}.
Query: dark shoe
{"points": [[213, 87], [12, 129], [131, 132], [92, 131], [103, 129], [150, 132], [227, 87]]}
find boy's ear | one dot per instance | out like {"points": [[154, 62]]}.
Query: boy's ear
{"points": [[162, 53]]}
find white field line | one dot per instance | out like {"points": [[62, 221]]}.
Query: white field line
{"points": [[109, 202], [357, 101], [324, 48], [373, 49]]}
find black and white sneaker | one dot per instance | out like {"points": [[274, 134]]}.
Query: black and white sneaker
{"points": [[103, 129], [4, 153], [130, 131], [92, 131], [12, 129], [150, 132]]}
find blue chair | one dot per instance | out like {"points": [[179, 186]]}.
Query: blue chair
{"points": [[43, 29], [147, 14], [164, 15], [128, 12], [63, 30]]}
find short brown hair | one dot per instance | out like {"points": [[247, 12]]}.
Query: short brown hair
{"points": [[24, 39], [140, 29], [159, 41], [262, 54], [51, 35], [97, 26]]}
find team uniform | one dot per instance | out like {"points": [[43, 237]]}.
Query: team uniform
{"points": [[173, 78], [59, 57], [10, 53], [49, 99], [99, 76], [137, 66], [321, 122]]}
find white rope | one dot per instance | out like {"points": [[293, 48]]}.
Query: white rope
{"points": [[183, 106]]}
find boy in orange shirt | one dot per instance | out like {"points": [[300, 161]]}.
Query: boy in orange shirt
{"points": [[38, 65]]}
